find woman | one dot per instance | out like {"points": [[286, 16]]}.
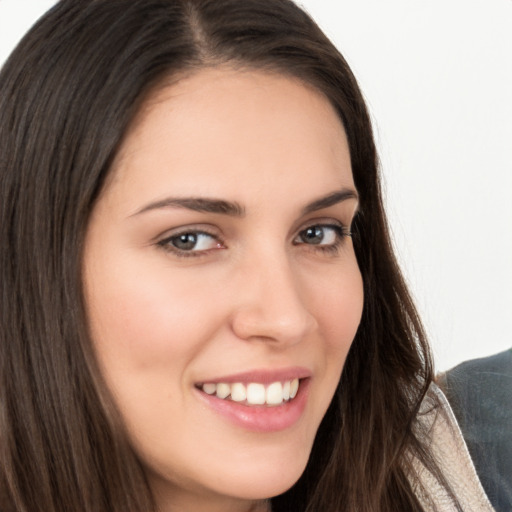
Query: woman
{"points": [[201, 309]]}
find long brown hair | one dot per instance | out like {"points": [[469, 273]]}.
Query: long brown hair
{"points": [[69, 92]]}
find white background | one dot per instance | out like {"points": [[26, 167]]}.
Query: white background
{"points": [[437, 76]]}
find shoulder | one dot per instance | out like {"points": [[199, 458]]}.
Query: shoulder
{"points": [[481, 373], [436, 423], [480, 391]]}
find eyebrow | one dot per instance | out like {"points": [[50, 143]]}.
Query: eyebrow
{"points": [[330, 200], [234, 209], [197, 204]]}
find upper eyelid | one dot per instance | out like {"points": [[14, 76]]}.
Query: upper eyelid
{"points": [[216, 233], [324, 221], [341, 229], [196, 229], [166, 244]]}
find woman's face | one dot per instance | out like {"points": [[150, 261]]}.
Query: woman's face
{"points": [[219, 274]]}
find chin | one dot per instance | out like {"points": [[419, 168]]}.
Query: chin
{"points": [[267, 477], [251, 476]]}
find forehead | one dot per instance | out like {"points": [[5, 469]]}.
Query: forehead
{"points": [[222, 127]]}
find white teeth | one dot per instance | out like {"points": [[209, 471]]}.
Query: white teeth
{"points": [[238, 392], [254, 393], [223, 390], [210, 388], [294, 387], [286, 390], [275, 393]]}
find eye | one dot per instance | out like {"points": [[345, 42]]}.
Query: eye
{"points": [[317, 235], [325, 236], [188, 243]]}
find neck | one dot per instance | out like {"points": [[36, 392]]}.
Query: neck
{"points": [[192, 505], [262, 506]]}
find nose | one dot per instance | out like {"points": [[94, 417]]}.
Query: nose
{"points": [[271, 304]]}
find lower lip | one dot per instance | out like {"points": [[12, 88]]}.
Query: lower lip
{"points": [[261, 418]]}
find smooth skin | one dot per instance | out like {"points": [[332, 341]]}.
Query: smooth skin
{"points": [[177, 296]]}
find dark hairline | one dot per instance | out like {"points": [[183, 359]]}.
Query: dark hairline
{"points": [[386, 359]]}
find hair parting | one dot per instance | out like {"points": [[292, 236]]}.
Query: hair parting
{"points": [[69, 94]]}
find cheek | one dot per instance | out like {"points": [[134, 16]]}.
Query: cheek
{"points": [[342, 310], [338, 304], [338, 308], [142, 322]]}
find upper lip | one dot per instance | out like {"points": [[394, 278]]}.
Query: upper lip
{"points": [[263, 376]]}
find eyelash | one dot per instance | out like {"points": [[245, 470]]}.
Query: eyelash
{"points": [[341, 233], [166, 243]]}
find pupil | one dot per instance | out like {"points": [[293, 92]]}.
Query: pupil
{"points": [[313, 235], [185, 241]]}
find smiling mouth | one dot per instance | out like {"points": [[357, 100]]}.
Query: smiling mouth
{"points": [[254, 393]]}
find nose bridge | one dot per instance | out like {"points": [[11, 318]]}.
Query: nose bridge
{"points": [[272, 304]]}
